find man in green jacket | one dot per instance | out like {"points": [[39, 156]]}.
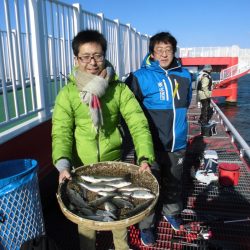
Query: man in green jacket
{"points": [[87, 116]]}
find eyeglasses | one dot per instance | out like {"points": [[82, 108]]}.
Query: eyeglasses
{"points": [[160, 51], [88, 58]]}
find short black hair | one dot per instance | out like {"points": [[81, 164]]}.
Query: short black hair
{"points": [[88, 36], [164, 37]]}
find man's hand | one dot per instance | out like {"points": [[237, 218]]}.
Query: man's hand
{"points": [[65, 174], [144, 166]]}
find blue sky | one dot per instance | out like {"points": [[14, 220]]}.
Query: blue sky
{"points": [[194, 23]]}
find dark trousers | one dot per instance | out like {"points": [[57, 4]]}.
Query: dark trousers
{"points": [[168, 170], [205, 111]]}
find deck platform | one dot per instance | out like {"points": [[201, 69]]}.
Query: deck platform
{"points": [[206, 206]]}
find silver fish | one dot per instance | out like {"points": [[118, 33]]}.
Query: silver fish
{"points": [[97, 188], [116, 183], [139, 194], [97, 179], [104, 193], [133, 188]]}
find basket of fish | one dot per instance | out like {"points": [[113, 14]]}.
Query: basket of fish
{"points": [[108, 195]]}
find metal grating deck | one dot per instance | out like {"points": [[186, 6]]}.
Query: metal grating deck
{"points": [[206, 206]]}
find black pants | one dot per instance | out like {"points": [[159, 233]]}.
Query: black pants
{"points": [[168, 170], [205, 111]]}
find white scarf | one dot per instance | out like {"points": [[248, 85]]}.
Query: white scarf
{"points": [[91, 88]]}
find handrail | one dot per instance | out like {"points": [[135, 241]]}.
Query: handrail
{"points": [[31, 81], [244, 147], [232, 51], [36, 58], [234, 70]]}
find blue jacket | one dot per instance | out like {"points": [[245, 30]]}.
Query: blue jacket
{"points": [[165, 96]]}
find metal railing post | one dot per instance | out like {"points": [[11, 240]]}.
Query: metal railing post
{"points": [[3, 82], [77, 18], [39, 62], [11, 56], [102, 26], [140, 50], [118, 54], [21, 74], [129, 48]]}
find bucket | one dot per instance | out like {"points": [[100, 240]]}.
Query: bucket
{"points": [[229, 174], [21, 216]]}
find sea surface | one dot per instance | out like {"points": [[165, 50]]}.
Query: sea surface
{"points": [[239, 115]]}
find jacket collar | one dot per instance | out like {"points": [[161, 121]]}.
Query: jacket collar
{"points": [[153, 65]]}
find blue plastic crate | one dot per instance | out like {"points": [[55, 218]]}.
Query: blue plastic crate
{"points": [[21, 217]]}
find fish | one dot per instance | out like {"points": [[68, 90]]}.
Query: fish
{"points": [[99, 201], [105, 193], [139, 194], [97, 179], [109, 206], [75, 198], [116, 183], [138, 209], [133, 188], [96, 188], [100, 212], [86, 211], [121, 203]]}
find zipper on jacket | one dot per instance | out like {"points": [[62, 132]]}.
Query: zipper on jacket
{"points": [[98, 144]]}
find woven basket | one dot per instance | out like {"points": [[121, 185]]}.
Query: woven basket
{"points": [[110, 168]]}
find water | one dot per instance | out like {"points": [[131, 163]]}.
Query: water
{"points": [[239, 115]]}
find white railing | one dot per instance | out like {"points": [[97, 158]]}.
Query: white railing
{"points": [[233, 51], [36, 56], [243, 56], [244, 149], [234, 71]]}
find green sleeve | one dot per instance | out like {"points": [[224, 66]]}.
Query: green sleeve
{"points": [[62, 127]]}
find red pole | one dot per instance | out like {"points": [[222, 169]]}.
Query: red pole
{"points": [[233, 90]]}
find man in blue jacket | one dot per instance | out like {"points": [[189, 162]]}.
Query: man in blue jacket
{"points": [[164, 90]]}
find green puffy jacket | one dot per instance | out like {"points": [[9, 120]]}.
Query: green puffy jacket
{"points": [[73, 128]]}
